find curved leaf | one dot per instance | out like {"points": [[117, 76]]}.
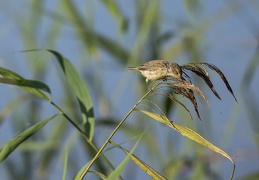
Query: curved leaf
{"points": [[99, 174], [203, 74], [187, 132], [78, 86], [215, 68], [145, 167], [80, 172], [26, 83], [12, 144], [33, 87], [117, 172], [182, 83]]}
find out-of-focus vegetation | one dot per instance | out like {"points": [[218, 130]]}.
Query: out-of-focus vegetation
{"points": [[101, 38]]}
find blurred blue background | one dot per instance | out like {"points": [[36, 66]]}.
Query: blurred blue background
{"points": [[224, 33]]}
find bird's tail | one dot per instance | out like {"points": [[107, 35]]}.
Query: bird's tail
{"points": [[132, 68]]}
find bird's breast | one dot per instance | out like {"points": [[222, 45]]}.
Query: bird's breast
{"points": [[154, 74]]}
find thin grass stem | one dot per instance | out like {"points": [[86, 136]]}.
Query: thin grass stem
{"points": [[115, 130]]}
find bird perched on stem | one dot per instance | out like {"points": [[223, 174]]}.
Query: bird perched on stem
{"points": [[158, 69]]}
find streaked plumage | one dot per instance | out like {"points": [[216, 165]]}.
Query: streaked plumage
{"points": [[158, 69]]}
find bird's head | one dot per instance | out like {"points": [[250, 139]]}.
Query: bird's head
{"points": [[175, 71]]}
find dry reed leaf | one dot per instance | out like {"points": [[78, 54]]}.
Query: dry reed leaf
{"points": [[203, 74], [176, 100], [188, 85], [224, 79], [185, 87]]}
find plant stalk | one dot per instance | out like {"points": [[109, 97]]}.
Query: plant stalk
{"points": [[114, 131]]}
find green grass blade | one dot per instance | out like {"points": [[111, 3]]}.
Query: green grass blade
{"points": [[115, 10], [92, 38], [9, 74], [65, 163], [12, 144], [145, 167], [190, 134], [26, 83], [100, 175], [78, 86], [78, 175], [117, 172], [186, 132], [36, 88]]}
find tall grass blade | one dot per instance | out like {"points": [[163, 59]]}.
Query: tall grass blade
{"points": [[115, 10], [92, 38], [65, 163], [26, 83], [12, 144], [190, 134], [36, 88], [117, 172], [145, 167], [78, 86]]}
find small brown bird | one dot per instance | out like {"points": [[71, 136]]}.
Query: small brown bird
{"points": [[158, 69]]}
